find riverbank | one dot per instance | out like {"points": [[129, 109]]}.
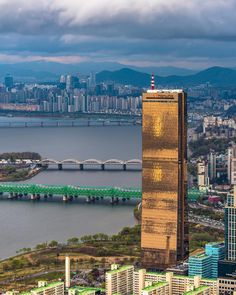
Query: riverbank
{"points": [[89, 252], [21, 175], [16, 166]]}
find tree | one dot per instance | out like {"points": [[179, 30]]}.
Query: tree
{"points": [[53, 244], [73, 241]]}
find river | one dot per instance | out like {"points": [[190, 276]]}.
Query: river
{"points": [[25, 224]]}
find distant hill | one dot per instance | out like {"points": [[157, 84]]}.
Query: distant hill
{"points": [[50, 71], [216, 76]]}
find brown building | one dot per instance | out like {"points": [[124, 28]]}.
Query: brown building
{"points": [[164, 238]]}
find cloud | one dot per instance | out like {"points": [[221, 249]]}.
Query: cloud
{"points": [[119, 28], [132, 19]]}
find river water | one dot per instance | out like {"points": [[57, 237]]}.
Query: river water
{"points": [[25, 224]]}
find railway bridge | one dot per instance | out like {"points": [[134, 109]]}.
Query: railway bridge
{"points": [[67, 193]]}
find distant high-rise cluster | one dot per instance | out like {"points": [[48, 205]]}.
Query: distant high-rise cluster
{"points": [[72, 94]]}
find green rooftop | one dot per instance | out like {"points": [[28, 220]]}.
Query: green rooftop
{"points": [[85, 290], [197, 290], [121, 268], [50, 285], [154, 286]]}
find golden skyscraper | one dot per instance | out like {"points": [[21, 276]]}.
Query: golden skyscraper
{"points": [[164, 239]]}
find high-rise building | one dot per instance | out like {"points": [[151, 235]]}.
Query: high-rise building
{"points": [[202, 175], [119, 280], [164, 237], [230, 226], [212, 165], [232, 164], [9, 82]]}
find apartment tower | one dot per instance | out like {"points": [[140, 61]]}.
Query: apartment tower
{"points": [[164, 238]]}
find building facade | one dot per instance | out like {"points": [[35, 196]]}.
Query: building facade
{"points": [[119, 280], [164, 237], [45, 288], [230, 227], [206, 264]]}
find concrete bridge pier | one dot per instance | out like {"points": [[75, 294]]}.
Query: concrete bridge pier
{"points": [[70, 198], [33, 197], [88, 200], [81, 166], [93, 199], [60, 167], [124, 167], [65, 199], [10, 196], [103, 167]]}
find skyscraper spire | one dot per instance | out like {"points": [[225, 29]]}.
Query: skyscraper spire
{"points": [[153, 82]]}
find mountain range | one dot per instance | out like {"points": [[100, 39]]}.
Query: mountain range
{"points": [[50, 71], [140, 77], [216, 76]]}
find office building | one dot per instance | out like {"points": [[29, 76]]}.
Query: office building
{"points": [[227, 268], [164, 237], [227, 286], [9, 82], [206, 264], [232, 164], [217, 252], [230, 227], [44, 288], [212, 166], [200, 265], [202, 175], [119, 280]]}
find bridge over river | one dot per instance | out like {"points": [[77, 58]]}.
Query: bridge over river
{"points": [[35, 192], [69, 123], [67, 193], [92, 164]]}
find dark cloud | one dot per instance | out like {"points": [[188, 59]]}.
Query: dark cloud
{"points": [[149, 30]]}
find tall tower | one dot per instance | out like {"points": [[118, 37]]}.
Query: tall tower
{"points": [[230, 226], [164, 238]]}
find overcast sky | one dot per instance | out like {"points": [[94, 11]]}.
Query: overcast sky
{"points": [[185, 33]]}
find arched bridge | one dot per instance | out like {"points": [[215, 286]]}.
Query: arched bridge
{"points": [[111, 164], [68, 192]]}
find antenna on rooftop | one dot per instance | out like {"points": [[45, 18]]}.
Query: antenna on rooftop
{"points": [[153, 82]]}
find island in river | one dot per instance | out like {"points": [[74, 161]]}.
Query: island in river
{"points": [[18, 166]]}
